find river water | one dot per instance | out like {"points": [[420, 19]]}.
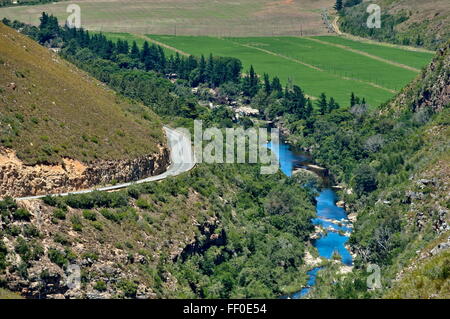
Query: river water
{"points": [[331, 217]]}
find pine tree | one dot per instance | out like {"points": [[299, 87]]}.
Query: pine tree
{"points": [[309, 109], [352, 99], [322, 104], [162, 59], [339, 5], [332, 105], [145, 55], [298, 101], [250, 84], [210, 69], [202, 69], [134, 53], [267, 87]]}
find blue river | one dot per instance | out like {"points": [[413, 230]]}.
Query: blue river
{"points": [[328, 215]]}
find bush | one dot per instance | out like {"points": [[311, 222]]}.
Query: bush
{"points": [[62, 239], [90, 215], [8, 204], [365, 179], [77, 225], [129, 288], [142, 203], [31, 231], [59, 213], [23, 249], [21, 214], [57, 257], [3, 253], [100, 286]]}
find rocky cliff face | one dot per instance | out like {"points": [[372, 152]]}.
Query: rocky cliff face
{"points": [[18, 180], [431, 88]]}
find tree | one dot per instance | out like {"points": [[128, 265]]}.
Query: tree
{"points": [[322, 104], [267, 87], [339, 5], [352, 99], [332, 105], [365, 179], [48, 28], [134, 53], [250, 84], [309, 109], [276, 86]]}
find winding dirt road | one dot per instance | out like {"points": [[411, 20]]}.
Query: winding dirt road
{"points": [[181, 157]]}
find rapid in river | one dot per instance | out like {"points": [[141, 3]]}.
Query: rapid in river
{"points": [[331, 217]]}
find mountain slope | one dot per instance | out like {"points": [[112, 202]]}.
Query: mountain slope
{"points": [[393, 164], [57, 121], [408, 22]]}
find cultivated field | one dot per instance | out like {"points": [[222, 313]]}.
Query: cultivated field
{"points": [[371, 71], [189, 17]]}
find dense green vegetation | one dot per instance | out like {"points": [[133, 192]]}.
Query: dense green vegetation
{"points": [[315, 66], [251, 230], [382, 156], [260, 224], [424, 26]]}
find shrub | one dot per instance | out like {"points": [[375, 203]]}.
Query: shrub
{"points": [[129, 288], [90, 255], [31, 231], [59, 213], [3, 253], [365, 179], [90, 215], [8, 204], [23, 249], [77, 225], [100, 285], [62, 239], [97, 225], [21, 214], [57, 257], [142, 203]]}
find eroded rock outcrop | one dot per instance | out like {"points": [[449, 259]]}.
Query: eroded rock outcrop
{"points": [[17, 179]]}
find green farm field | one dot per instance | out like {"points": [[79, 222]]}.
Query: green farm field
{"points": [[372, 71]]}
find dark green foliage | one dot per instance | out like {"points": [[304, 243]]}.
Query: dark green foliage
{"points": [[97, 199], [21, 214], [365, 179], [90, 215], [58, 257], [3, 253], [77, 224], [129, 288], [100, 286], [59, 214]]}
